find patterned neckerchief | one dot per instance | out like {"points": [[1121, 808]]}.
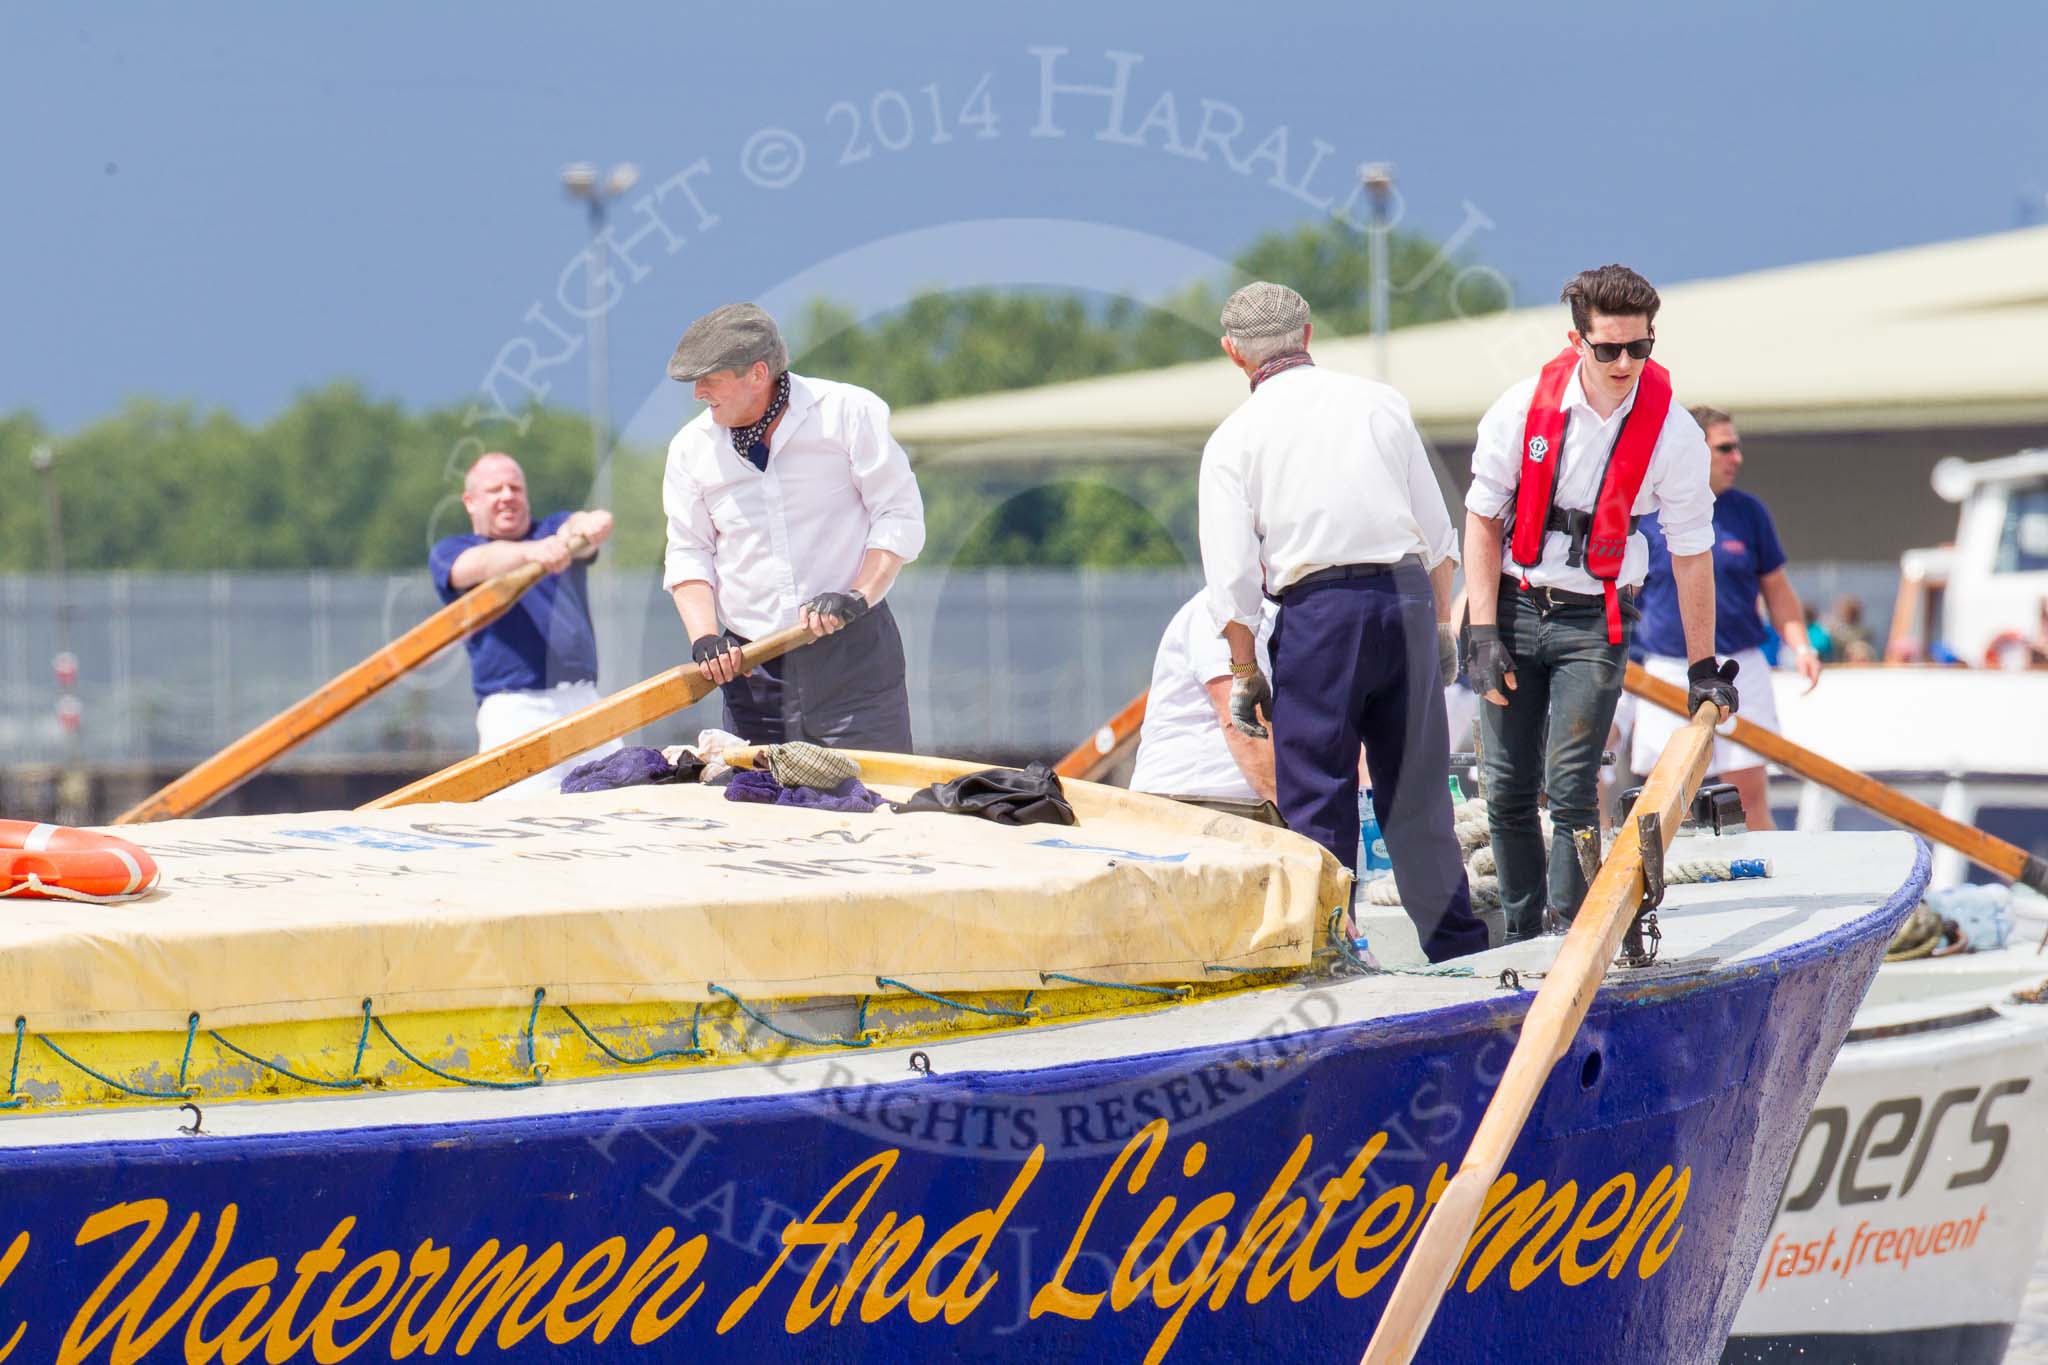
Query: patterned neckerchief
{"points": [[752, 441], [1277, 365]]}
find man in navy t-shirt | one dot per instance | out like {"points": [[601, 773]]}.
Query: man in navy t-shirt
{"points": [[1748, 564], [538, 662]]}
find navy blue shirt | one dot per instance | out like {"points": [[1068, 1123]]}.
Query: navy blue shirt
{"points": [[546, 637], [1745, 549]]}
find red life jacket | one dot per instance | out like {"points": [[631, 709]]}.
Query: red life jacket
{"points": [[1543, 442]]}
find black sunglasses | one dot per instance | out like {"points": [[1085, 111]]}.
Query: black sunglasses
{"points": [[1607, 352]]}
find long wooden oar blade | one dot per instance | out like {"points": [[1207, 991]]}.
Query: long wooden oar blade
{"points": [[620, 713], [1985, 850], [1553, 1020], [249, 755], [1101, 750]]}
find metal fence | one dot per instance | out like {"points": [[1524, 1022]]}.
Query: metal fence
{"points": [[173, 666]]}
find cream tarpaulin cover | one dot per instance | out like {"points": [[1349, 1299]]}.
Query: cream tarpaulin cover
{"points": [[653, 893]]}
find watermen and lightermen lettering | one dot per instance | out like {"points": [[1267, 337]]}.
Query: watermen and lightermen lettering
{"points": [[861, 1255]]}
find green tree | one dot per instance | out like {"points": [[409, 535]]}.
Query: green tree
{"points": [[341, 480]]}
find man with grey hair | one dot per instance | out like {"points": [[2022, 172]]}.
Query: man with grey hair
{"points": [[1316, 492], [788, 502]]}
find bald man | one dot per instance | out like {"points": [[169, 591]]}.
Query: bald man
{"points": [[538, 662]]}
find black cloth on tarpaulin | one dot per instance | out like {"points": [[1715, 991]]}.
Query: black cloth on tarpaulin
{"points": [[1008, 796]]}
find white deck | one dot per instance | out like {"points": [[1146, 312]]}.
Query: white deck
{"points": [[1822, 883]]}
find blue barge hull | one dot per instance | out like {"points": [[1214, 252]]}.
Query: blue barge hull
{"points": [[1251, 1201]]}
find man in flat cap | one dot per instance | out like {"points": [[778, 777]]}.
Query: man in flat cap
{"points": [[1316, 492], [789, 502]]}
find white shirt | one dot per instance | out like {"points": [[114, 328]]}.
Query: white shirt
{"points": [[1675, 487], [1181, 748], [836, 486], [1314, 470]]}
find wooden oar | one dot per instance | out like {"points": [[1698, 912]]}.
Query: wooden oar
{"points": [[1547, 1031], [249, 755], [638, 705], [1101, 750], [1985, 850]]}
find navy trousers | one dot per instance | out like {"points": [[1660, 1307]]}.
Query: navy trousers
{"points": [[847, 691], [1355, 660]]}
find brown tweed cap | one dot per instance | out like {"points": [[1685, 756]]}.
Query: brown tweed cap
{"points": [[1264, 309]]}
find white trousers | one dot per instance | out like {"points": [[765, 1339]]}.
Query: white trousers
{"points": [[1655, 726], [505, 716]]}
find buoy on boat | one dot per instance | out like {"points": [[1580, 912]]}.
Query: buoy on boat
{"points": [[57, 862]]}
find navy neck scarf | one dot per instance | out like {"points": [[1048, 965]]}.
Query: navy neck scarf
{"points": [[752, 441]]}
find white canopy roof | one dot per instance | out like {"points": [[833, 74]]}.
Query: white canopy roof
{"points": [[1954, 334]]}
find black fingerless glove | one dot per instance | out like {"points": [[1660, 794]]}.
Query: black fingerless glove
{"points": [[1487, 670], [1708, 682], [705, 648], [848, 606]]}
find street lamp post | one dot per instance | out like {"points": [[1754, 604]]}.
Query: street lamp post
{"points": [[71, 785], [1378, 178], [582, 182]]}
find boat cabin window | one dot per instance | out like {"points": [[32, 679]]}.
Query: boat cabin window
{"points": [[2023, 539], [1848, 817], [2026, 826]]}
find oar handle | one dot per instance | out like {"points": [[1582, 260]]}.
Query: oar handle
{"points": [[616, 715], [235, 764], [1547, 1031], [526, 575], [1986, 850], [1092, 755]]}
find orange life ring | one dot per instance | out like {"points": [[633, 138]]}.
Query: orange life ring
{"points": [[56, 862], [1994, 653]]}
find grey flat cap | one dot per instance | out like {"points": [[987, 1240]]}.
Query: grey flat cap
{"points": [[1263, 309], [728, 338]]}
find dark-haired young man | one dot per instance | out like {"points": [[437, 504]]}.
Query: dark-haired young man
{"points": [[1565, 463]]}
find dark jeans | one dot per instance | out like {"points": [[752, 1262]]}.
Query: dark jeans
{"points": [[1548, 738], [1356, 660], [846, 691]]}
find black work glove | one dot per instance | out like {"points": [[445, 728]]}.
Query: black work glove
{"points": [[705, 648], [1707, 683], [848, 606], [1490, 663], [1249, 691]]}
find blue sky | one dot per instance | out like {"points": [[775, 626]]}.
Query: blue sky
{"points": [[231, 203]]}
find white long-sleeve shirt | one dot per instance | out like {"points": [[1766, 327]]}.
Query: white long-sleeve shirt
{"points": [[1316, 469], [767, 541], [1675, 486]]}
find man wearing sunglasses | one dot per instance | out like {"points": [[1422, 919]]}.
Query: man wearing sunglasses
{"points": [[1748, 564], [1565, 463]]}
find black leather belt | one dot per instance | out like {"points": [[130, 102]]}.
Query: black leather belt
{"points": [[1340, 572], [1549, 599]]}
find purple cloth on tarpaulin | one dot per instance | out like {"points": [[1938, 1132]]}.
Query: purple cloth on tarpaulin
{"points": [[850, 795], [631, 767]]}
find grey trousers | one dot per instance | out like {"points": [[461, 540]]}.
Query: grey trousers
{"points": [[846, 691], [1547, 739]]}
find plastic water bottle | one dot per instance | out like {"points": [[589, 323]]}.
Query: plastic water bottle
{"points": [[1457, 792], [1373, 862]]}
